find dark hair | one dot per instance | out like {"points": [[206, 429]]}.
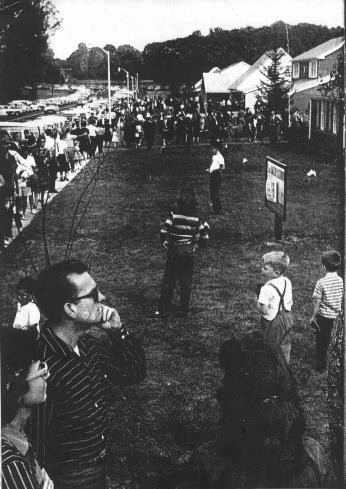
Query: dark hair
{"points": [[261, 416], [48, 132], [54, 289], [187, 201], [331, 260], [18, 349], [28, 284]]}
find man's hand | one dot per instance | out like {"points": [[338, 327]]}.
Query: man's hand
{"points": [[165, 245], [110, 318]]}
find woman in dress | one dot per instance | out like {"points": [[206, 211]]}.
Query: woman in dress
{"points": [[23, 386]]}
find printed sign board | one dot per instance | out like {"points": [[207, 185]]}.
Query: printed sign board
{"points": [[276, 187]]}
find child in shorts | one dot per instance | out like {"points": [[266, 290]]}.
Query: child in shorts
{"points": [[275, 297], [327, 303]]}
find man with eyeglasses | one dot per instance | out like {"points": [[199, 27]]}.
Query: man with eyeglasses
{"points": [[69, 430]]}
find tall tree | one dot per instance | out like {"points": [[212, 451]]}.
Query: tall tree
{"points": [[78, 61], [273, 90], [24, 30]]}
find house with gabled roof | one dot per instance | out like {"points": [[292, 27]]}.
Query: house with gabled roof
{"points": [[215, 85], [249, 82], [310, 70]]}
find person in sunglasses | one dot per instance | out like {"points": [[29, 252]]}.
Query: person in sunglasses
{"points": [[69, 430], [23, 386]]}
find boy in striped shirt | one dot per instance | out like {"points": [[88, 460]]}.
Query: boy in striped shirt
{"points": [[181, 235], [327, 303]]}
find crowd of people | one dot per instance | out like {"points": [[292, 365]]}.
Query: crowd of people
{"points": [[58, 376], [30, 167]]}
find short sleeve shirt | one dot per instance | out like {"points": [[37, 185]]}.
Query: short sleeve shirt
{"points": [[269, 296], [329, 291], [27, 315], [217, 163]]}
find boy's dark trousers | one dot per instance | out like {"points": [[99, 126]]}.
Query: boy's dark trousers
{"points": [[322, 341], [215, 184], [179, 268]]}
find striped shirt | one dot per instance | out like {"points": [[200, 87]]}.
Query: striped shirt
{"points": [[329, 291], [179, 227], [71, 425], [18, 470]]}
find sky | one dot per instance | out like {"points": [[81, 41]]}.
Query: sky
{"points": [[140, 22]]}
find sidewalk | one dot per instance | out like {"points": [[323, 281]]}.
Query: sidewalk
{"points": [[29, 216]]}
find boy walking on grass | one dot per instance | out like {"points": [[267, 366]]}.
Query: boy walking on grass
{"points": [[274, 302], [327, 303]]}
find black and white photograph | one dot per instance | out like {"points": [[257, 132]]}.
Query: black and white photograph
{"points": [[172, 244]]}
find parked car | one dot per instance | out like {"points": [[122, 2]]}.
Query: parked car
{"points": [[34, 106], [3, 110], [51, 109], [24, 103], [16, 109]]}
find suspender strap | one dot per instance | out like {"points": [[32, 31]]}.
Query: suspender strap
{"points": [[281, 304]]}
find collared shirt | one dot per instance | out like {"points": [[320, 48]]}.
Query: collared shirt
{"points": [[217, 163], [71, 425], [20, 469], [329, 290]]}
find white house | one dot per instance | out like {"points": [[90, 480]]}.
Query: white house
{"points": [[216, 84], [249, 82]]}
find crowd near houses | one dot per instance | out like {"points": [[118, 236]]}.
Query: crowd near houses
{"points": [[238, 84]]}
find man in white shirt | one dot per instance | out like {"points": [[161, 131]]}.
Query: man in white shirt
{"points": [[215, 173]]}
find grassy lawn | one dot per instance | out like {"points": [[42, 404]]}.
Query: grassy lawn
{"points": [[156, 426]]}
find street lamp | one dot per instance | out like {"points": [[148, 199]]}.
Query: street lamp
{"points": [[127, 82], [133, 80], [109, 84]]}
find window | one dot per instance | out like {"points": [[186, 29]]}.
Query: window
{"points": [[313, 69], [334, 119], [295, 70], [323, 115]]}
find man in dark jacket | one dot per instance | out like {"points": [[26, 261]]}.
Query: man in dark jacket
{"points": [[149, 132], [7, 191]]}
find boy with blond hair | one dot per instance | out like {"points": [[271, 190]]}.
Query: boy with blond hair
{"points": [[274, 302], [327, 303]]}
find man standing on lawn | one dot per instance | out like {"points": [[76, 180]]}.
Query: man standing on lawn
{"points": [[215, 176], [68, 431]]}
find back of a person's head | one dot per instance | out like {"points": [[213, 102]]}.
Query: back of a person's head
{"points": [[331, 260], [261, 415], [278, 260], [54, 289], [18, 349], [48, 132], [187, 201]]}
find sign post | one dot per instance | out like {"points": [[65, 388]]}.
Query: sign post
{"points": [[276, 192]]}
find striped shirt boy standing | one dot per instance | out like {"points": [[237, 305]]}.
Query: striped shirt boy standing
{"points": [[181, 234], [327, 304]]}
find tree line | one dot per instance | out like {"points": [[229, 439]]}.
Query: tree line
{"points": [[25, 57], [184, 59]]}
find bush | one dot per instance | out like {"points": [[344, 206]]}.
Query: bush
{"points": [[297, 136], [323, 144]]}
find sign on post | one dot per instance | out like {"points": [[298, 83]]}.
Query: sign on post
{"points": [[276, 192]]}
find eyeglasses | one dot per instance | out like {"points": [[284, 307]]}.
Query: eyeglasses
{"points": [[41, 372], [93, 294]]}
